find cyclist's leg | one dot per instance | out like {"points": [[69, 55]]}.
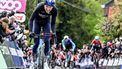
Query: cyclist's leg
{"points": [[36, 30], [68, 55], [98, 55], [93, 49], [47, 38]]}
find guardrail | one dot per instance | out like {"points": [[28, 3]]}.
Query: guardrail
{"points": [[11, 56]]}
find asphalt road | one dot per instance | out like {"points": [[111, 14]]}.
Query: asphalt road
{"points": [[106, 64]]}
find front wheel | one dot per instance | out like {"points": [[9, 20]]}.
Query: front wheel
{"points": [[41, 62], [40, 59]]}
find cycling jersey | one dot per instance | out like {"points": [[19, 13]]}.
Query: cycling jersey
{"points": [[96, 45], [40, 16], [40, 19], [96, 42], [68, 44]]}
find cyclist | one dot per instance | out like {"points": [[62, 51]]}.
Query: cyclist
{"points": [[96, 44], [69, 46], [40, 18]]}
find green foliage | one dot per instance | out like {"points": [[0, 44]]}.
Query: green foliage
{"points": [[31, 4], [79, 25], [116, 29]]}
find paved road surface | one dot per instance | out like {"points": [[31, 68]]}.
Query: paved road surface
{"points": [[107, 64]]}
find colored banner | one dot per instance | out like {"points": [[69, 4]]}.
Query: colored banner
{"points": [[20, 17], [17, 5], [11, 56]]}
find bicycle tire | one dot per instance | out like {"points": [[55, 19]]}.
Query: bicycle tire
{"points": [[41, 57], [39, 63], [42, 63]]}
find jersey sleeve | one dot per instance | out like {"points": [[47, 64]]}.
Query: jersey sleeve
{"points": [[53, 20], [33, 16]]}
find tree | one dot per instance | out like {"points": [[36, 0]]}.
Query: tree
{"points": [[31, 4], [80, 25], [112, 28]]}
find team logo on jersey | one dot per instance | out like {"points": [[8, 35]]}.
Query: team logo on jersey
{"points": [[43, 16]]}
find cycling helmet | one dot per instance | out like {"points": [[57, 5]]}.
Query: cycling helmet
{"points": [[50, 2], [97, 37], [66, 37]]}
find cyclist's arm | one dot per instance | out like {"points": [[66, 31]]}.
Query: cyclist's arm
{"points": [[63, 44], [53, 20], [73, 45], [34, 14], [93, 42]]}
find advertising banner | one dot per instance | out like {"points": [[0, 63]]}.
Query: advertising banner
{"points": [[17, 5]]}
